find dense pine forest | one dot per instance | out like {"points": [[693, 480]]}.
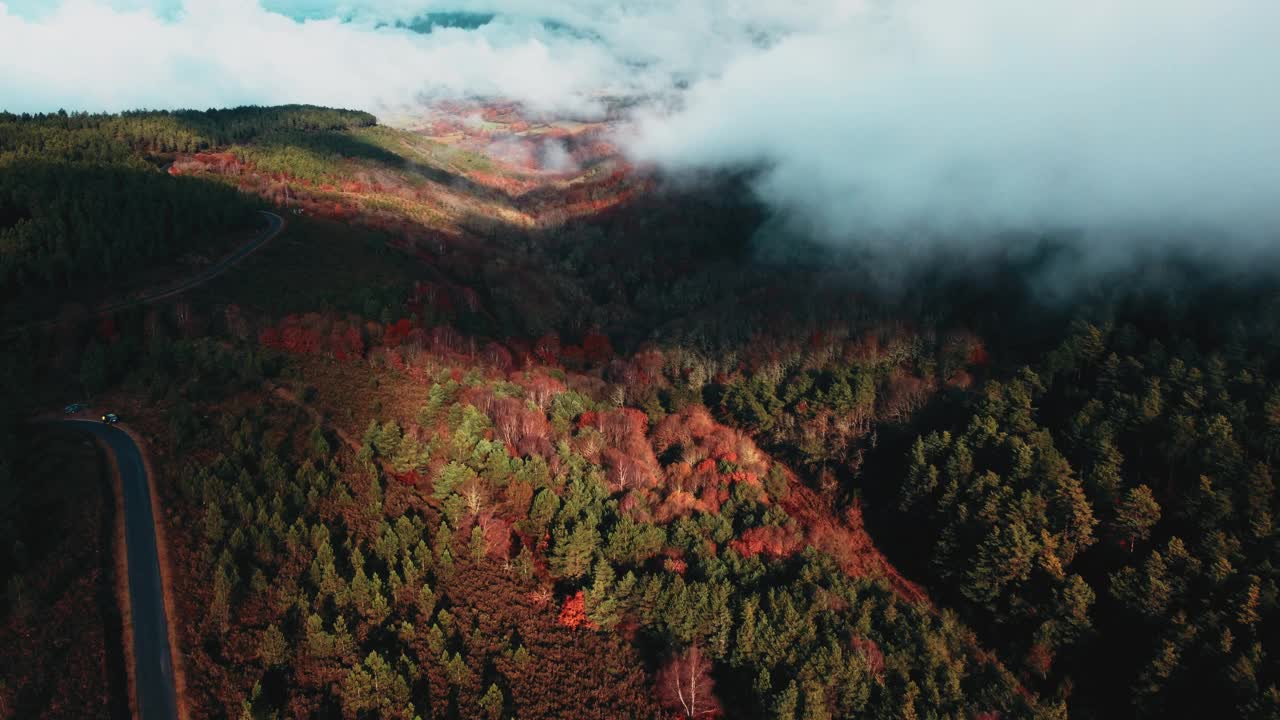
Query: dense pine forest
{"points": [[82, 204], [476, 439]]}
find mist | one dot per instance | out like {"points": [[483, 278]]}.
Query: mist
{"points": [[918, 123], [97, 56], [892, 126], [111, 55]]}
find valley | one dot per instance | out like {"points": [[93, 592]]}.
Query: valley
{"points": [[499, 424]]}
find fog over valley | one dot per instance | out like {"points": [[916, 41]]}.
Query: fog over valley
{"points": [[881, 123], [654, 359]]}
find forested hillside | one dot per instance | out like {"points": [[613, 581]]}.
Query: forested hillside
{"points": [[520, 548], [480, 437], [83, 205], [1122, 482]]}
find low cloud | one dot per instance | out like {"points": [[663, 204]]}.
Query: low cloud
{"points": [[90, 55], [919, 122], [894, 125], [562, 56]]}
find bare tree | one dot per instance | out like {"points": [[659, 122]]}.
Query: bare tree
{"points": [[474, 497], [685, 685]]}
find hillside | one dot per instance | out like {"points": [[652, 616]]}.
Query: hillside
{"points": [[504, 426]]}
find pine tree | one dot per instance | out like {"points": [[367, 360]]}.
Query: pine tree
{"points": [[574, 550], [492, 703], [220, 608], [1135, 515], [601, 604], [273, 649]]}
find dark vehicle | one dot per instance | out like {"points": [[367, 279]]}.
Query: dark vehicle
{"points": [[74, 408], [111, 418]]}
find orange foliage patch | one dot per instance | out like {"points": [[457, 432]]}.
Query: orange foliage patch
{"points": [[573, 614], [771, 540]]}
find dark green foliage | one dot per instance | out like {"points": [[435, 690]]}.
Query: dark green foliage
{"points": [[1007, 517], [82, 207], [1169, 454], [309, 155], [85, 225], [81, 137], [795, 410]]}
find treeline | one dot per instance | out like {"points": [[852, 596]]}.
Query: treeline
{"points": [[101, 137], [821, 403]]}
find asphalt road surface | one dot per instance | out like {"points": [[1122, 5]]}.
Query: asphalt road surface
{"points": [[153, 664]]}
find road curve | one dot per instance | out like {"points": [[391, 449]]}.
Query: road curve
{"points": [[275, 225], [153, 664]]}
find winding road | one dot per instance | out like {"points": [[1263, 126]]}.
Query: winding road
{"points": [[153, 663], [275, 225]]}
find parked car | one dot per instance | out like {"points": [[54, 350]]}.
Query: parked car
{"points": [[74, 408], [111, 418]]}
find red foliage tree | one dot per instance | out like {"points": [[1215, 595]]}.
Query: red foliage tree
{"points": [[498, 356], [299, 340], [541, 389], [624, 426], [573, 357], [573, 613], [907, 394], [978, 355], [547, 349], [397, 332], [269, 337], [597, 348], [521, 428], [1039, 659], [771, 540], [346, 342], [626, 472], [650, 362]]}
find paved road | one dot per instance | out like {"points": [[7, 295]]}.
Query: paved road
{"points": [[275, 225], [153, 665]]}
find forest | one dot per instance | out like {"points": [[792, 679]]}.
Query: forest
{"points": [[453, 448], [83, 206]]}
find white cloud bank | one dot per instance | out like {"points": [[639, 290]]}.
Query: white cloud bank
{"points": [[125, 54], [915, 116], [885, 120], [91, 55]]}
